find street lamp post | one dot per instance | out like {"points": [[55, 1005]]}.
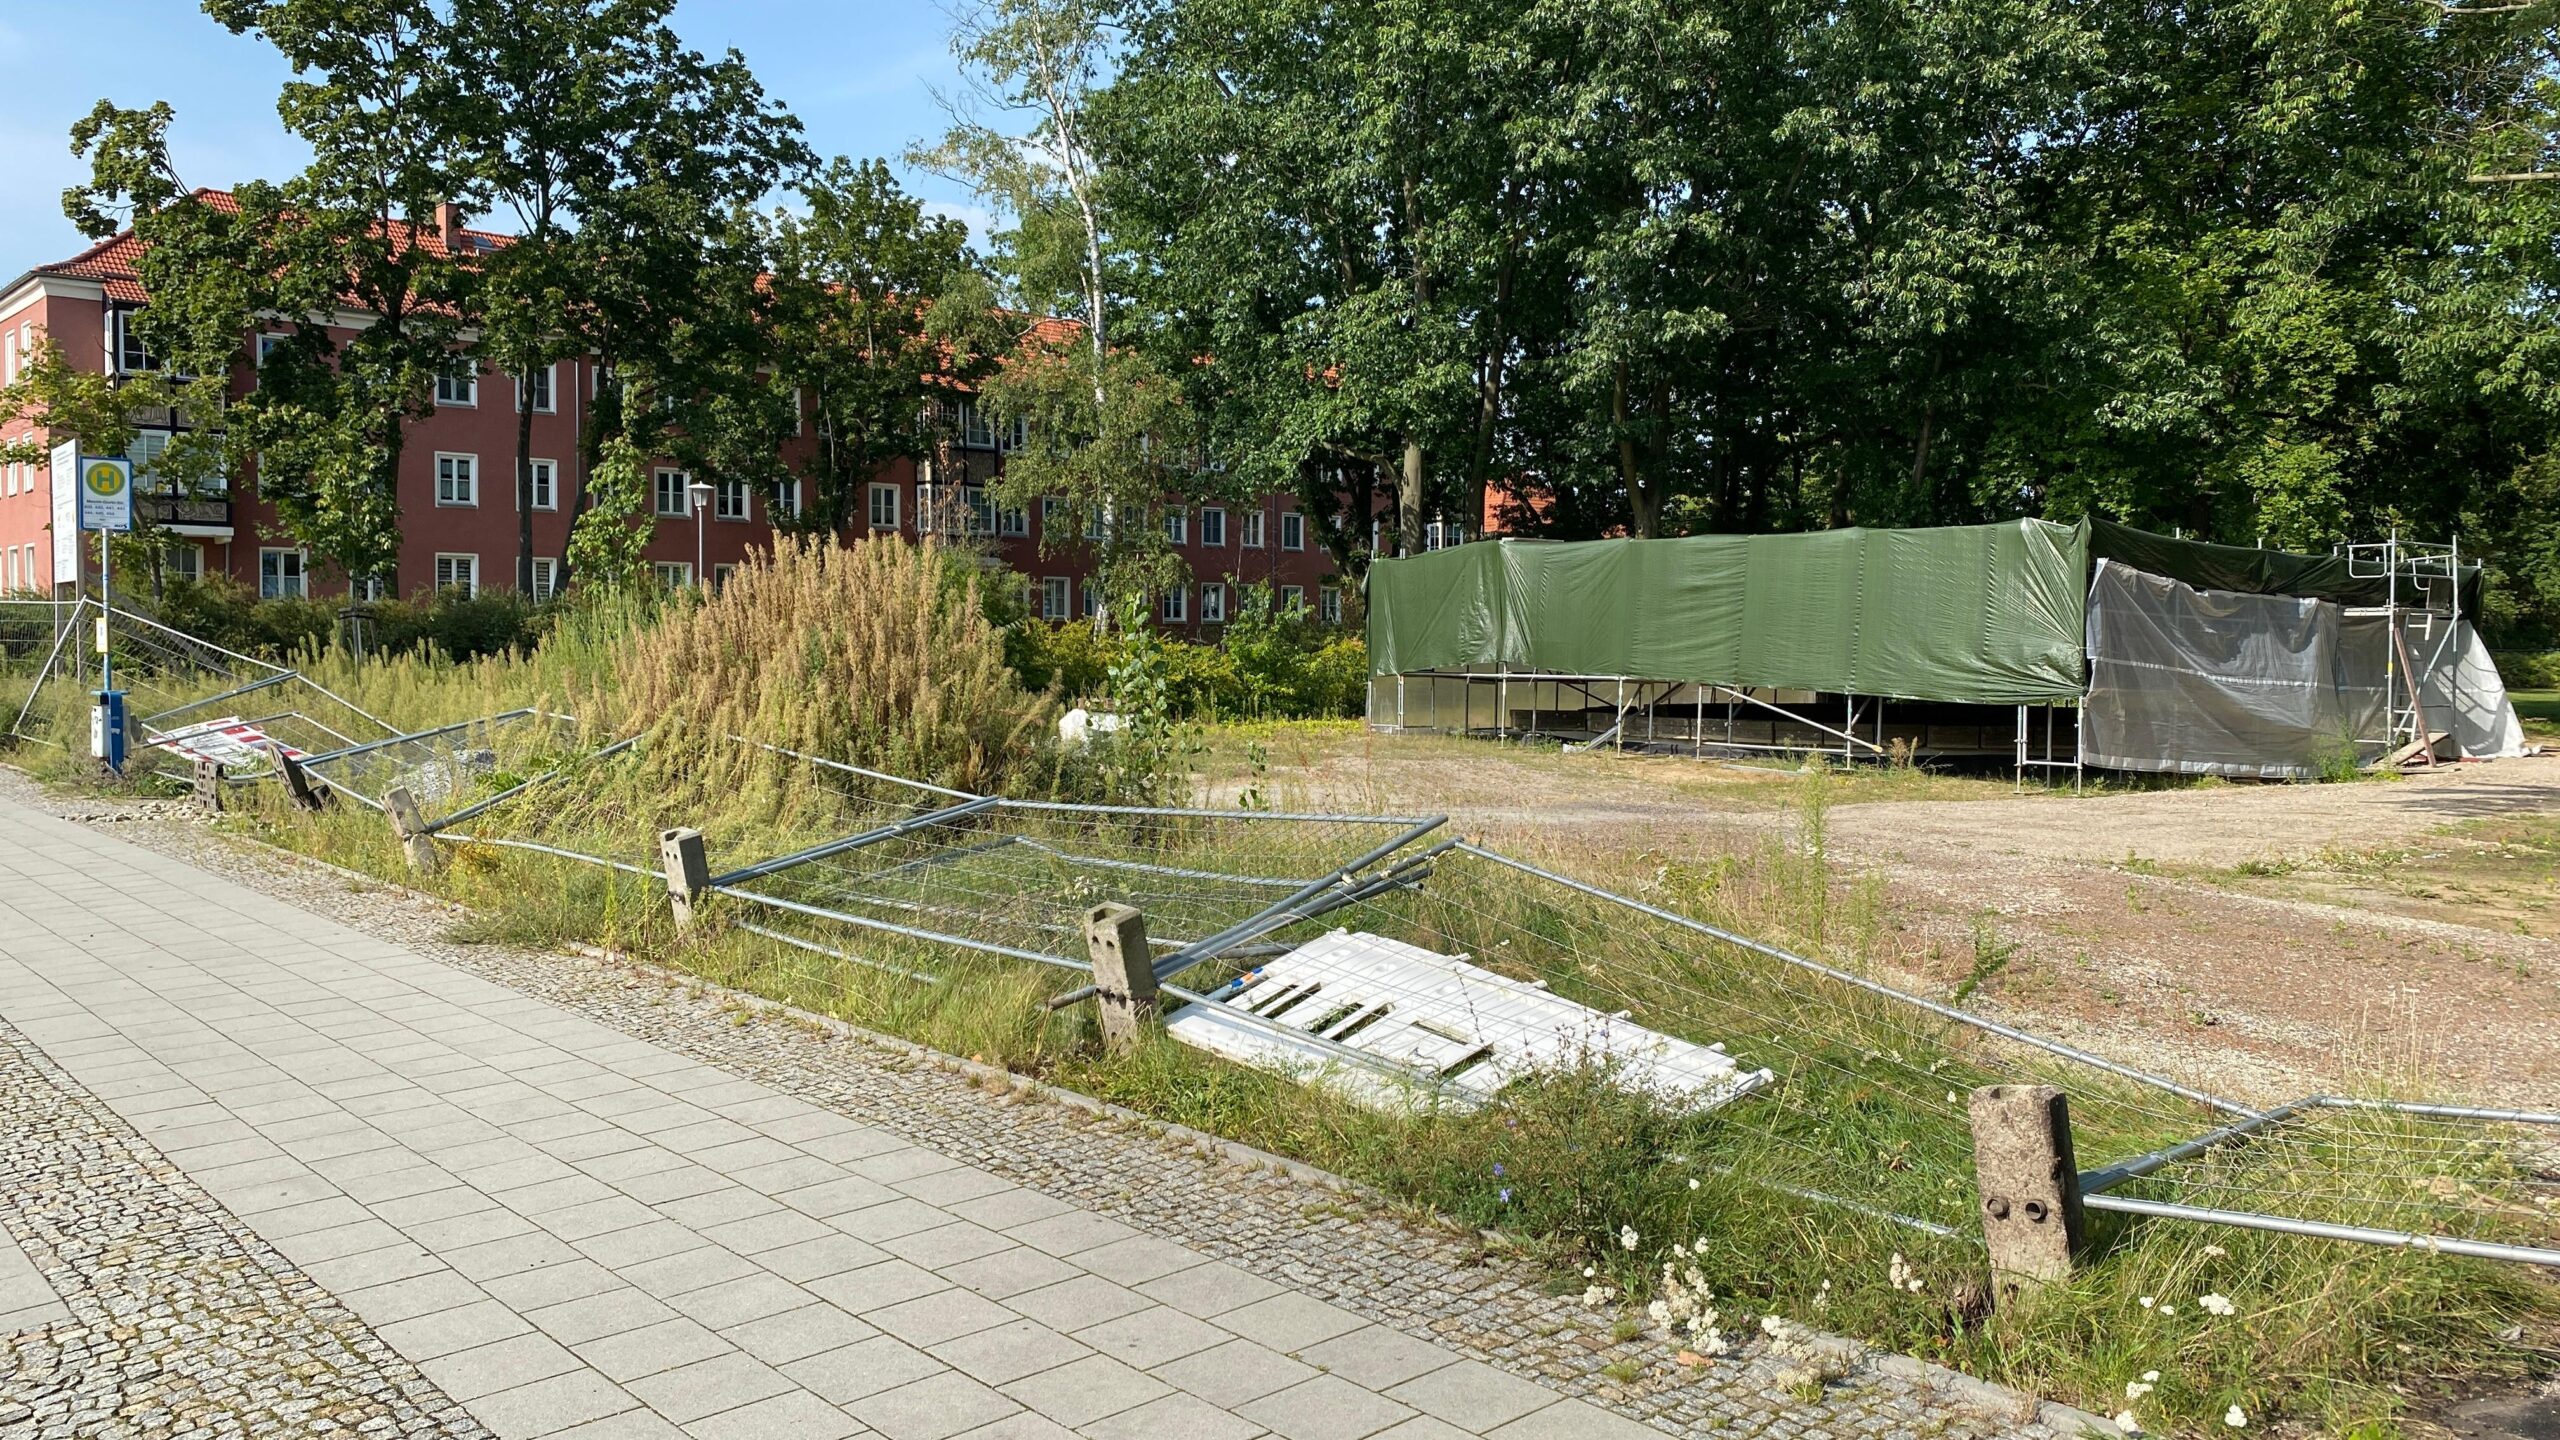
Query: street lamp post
{"points": [[699, 493]]}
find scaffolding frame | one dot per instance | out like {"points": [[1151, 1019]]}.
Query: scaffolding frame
{"points": [[2412, 572]]}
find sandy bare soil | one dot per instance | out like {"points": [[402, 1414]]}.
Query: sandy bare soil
{"points": [[2264, 939]]}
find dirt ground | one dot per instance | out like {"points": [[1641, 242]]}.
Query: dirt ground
{"points": [[2262, 939]]}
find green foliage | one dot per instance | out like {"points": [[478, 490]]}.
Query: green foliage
{"points": [[446, 624], [609, 541], [1289, 669], [2529, 669]]}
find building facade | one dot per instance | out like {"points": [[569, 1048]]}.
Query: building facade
{"points": [[458, 492]]}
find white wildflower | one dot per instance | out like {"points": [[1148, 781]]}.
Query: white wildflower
{"points": [[1627, 1237], [2125, 1423], [2136, 1389], [2148, 1302], [2236, 1418], [2168, 1309], [2217, 1304], [1590, 1270], [2151, 1377], [2215, 1252], [1596, 1296], [1772, 1326], [1693, 1182]]}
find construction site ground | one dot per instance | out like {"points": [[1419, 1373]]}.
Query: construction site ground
{"points": [[2264, 939]]}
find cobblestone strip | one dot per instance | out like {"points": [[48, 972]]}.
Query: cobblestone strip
{"points": [[1423, 1280], [182, 1321]]}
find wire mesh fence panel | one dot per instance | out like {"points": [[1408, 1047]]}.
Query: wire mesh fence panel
{"points": [[446, 768], [34, 636], [2373, 1166]]}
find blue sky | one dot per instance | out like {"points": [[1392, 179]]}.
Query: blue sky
{"points": [[860, 74]]}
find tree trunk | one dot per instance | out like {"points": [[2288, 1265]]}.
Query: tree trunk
{"points": [[1643, 504], [1409, 500]]}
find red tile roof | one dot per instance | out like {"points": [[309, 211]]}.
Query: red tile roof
{"points": [[116, 262]]}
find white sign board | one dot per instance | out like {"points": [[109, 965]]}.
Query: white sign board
{"points": [[66, 513], [227, 741], [106, 493]]}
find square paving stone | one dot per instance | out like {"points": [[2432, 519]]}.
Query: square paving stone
{"points": [[499, 1365], [865, 1367], [1325, 1408], [1008, 1208], [944, 1246], [1006, 1353], [1473, 1395], [445, 1332], [798, 1334], [555, 1405], [1072, 1233], [652, 1349], [593, 1317], [708, 1387], [934, 1408], [944, 1315], [1153, 1336], [1187, 1416], [735, 1302], [1085, 1300], [1378, 1357], [1573, 1420], [672, 1275], [1209, 1290], [1137, 1260], [829, 1254], [1081, 1392], [867, 1289], [772, 1230], [1234, 1373], [792, 1415], [1290, 1322], [1010, 1272]]}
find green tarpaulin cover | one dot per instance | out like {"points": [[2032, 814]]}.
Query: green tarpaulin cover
{"points": [[2244, 570], [1987, 614]]}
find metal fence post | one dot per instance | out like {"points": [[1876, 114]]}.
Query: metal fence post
{"points": [[688, 871], [1124, 973], [410, 828], [2030, 1183]]}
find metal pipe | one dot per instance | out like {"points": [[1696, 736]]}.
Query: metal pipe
{"points": [[2105, 1178], [2441, 1112], [1950, 1012], [1179, 812], [1267, 882], [1277, 914], [372, 745], [2323, 1230], [856, 769], [812, 945], [890, 831], [540, 848], [468, 812], [233, 693], [865, 922]]}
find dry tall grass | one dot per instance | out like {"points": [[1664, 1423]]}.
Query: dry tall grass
{"points": [[876, 653]]}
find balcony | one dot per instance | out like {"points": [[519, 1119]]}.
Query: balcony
{"points": [[201, 517]]}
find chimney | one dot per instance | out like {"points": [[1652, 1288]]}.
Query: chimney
{"points": [[449, 226]]}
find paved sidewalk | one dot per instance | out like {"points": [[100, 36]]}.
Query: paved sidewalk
{"points": [[571, 1231]]}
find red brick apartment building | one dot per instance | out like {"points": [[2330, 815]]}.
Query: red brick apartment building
{"points": [[458, 492]]}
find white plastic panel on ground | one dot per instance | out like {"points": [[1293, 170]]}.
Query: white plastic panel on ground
{"points": [[1430, 1015]]}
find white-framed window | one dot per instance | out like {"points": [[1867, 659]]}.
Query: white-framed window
{"points": [[535, 385], [1329, 604], [1094, 528], [546, 483], [1015, 436], [1293, 530], [981, 504], [1213, 604], [667, 493], [1213, 526], [975, 432], [458, 383], [1177, 605], [784, 503], [182, 561], [799, 412], [1440, 535], [884, 506], [9, 561], [1056, 594], [9, 376], [265, 344], [1252, 529], [459, 573], [546, 577], [729, 498], [1013, 523], [280, 574], [720, 576], [673, 574], [132, 358], [1292, 597], [1177, 525], [1092, 593], [457, 479]]}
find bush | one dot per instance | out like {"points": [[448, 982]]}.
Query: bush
{"points": [[1271, 664], [2529, 669], [876, 654], [447, 623]]}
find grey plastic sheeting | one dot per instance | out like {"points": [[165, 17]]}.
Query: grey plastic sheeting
{"points": [[2210, 682], [1988, 614]]}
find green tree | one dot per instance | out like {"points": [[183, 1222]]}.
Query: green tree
{"points": [[878, 310], [102, 413]]}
